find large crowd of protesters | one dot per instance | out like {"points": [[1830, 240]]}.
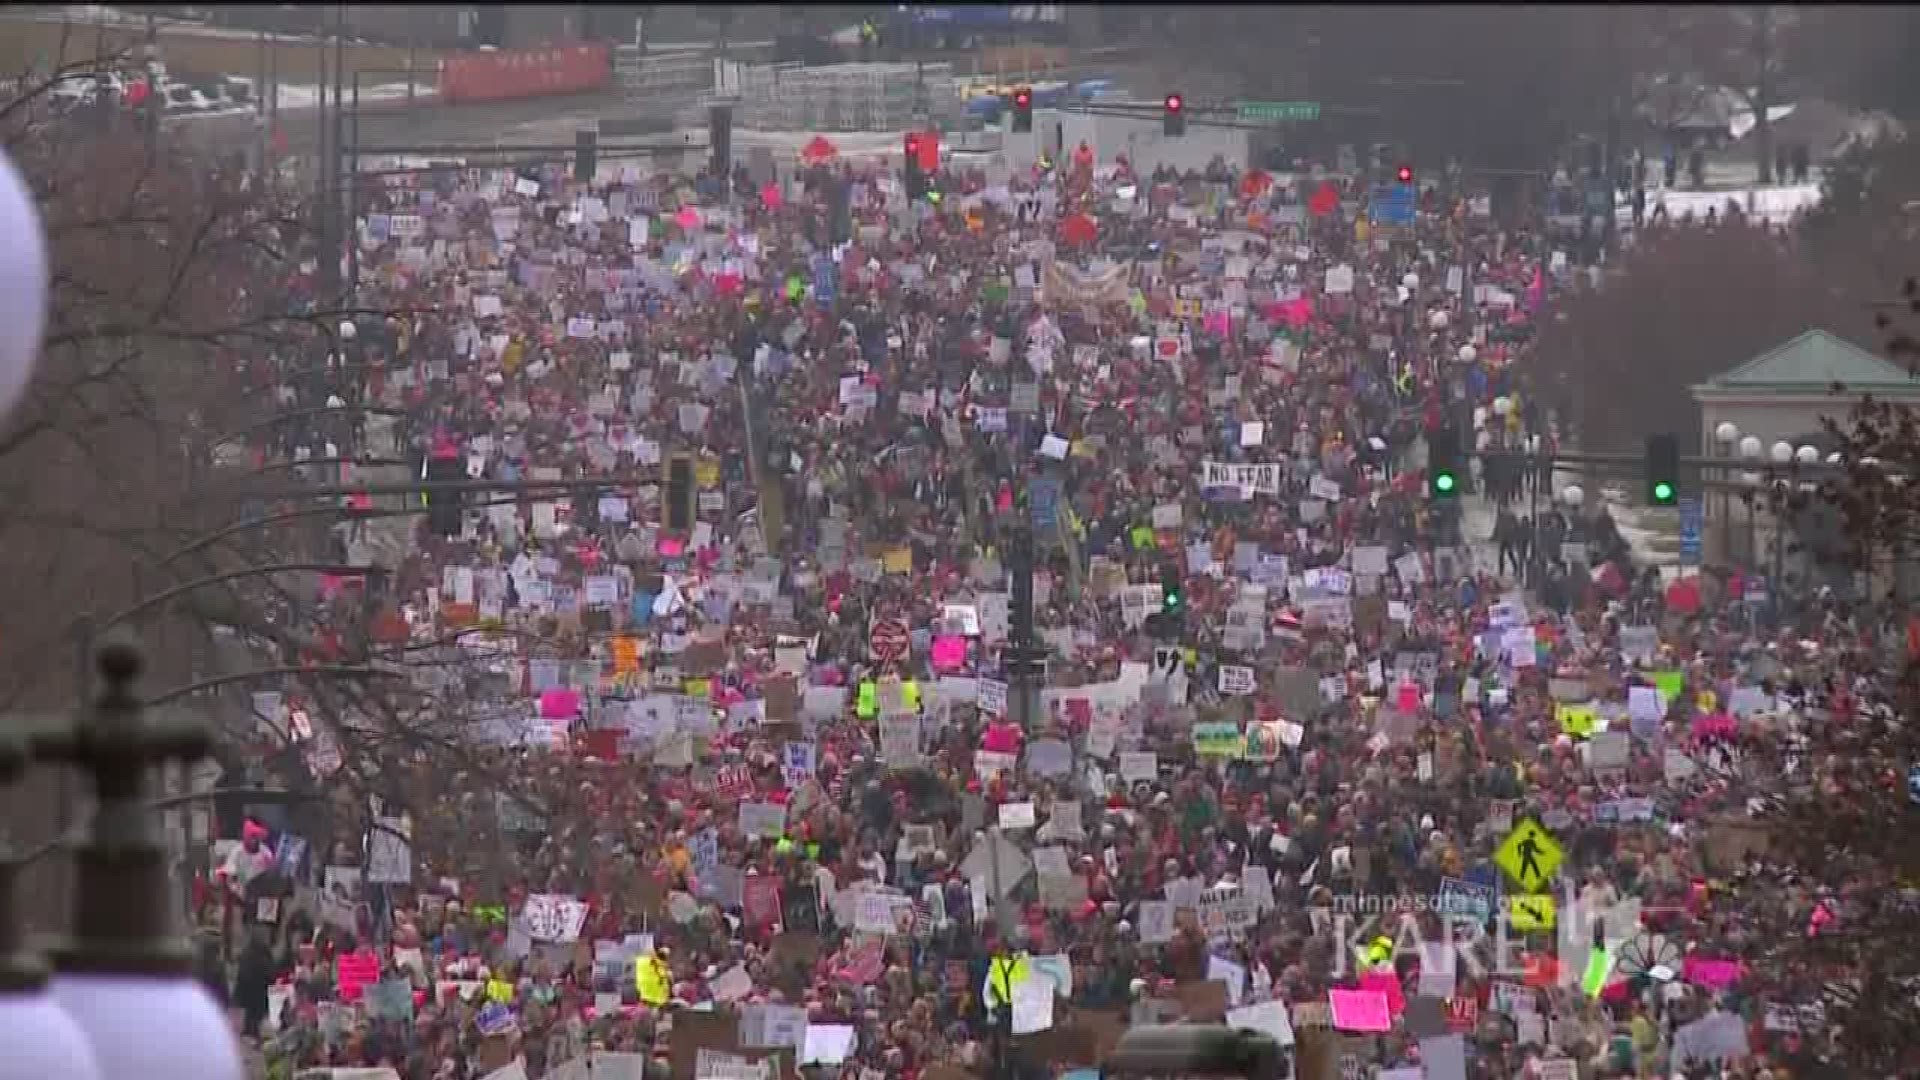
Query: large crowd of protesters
{"points": [[729, 773]]}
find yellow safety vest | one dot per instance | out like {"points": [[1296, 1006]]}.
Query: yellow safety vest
{"points": [[653, 981], [1003, 974]]}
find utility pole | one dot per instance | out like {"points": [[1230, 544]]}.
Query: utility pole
{"points": [[345, 233], [155, 102], [1763, 92], [1615, 75], [323, 202]]}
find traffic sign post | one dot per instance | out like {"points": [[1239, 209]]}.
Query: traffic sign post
{"points": [[1529, 855], [1532, 913], [1281, 111], [889, 641], [1693, 521], [1391, 204]]}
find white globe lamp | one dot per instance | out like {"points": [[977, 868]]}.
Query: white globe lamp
{"points": [[1573, 496], [1807, 455], [125, 977], [348, 331], [1781, 452], [1726, 434], [1468, 354], [23, 285], [1751, 448], [1502, 405]]}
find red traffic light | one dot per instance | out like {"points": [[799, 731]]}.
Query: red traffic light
{"points": [[1023, 99], [1174, 103], [1406, 174]]}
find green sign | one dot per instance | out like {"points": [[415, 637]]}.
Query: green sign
{"points": [[1278, 110], [1218, 739]]}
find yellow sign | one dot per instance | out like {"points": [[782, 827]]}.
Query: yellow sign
{"points": [[897, 560], [1531, 913], [1529, 855], [1578, 721]]}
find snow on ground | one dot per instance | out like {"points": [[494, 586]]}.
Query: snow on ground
{"points": [[294, 96], [1772, 203]]}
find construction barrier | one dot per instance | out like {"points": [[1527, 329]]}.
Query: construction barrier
{"points": [[510, 74]]}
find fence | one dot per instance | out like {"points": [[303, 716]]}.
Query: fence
{"points": [[846, 97]]}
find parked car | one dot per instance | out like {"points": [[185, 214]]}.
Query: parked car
{"points": [[183, 98], [240, 92]]}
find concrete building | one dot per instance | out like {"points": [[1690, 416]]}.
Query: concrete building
{"points": [[1785, 395]]}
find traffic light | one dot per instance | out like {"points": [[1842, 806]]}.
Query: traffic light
{"points": [[1023, 109], [916, 178], [1172, 599], [1173, 123], [1663, 470], [1443, 464], [586, 155], [445, 509], [678, 512], [1404, 174]]}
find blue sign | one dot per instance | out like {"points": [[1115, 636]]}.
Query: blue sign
{"points": [[1391, 204], [1692, 526], [826, 279], [1469, 898], [1043, 502], [1913, 785], [1756, 590]]}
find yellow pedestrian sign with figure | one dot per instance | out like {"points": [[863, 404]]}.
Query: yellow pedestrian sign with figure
{"points": [[1530, 914], [1529, 855]]}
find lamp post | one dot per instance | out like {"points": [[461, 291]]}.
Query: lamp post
{"points": [[1726, 438], [125, 974], [40, 1038], [1751, 452]]}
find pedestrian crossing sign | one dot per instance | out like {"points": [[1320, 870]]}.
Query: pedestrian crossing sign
{"points": [[1529, 855], [1529, 914]]}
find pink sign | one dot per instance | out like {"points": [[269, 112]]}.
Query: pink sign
{"points": [[356, 972], [1408, 698], [1712, 974], [1360, 1010], [559, 703], [1715, 726], [1387, 983], [949, 653], [688, 218], [1292, 313]]}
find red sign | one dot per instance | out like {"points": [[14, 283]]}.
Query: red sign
{"points": [[511, 74], [928, 148], [889, 641], [1463, 1013]]}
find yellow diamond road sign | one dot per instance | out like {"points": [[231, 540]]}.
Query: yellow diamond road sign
{"points": [[1528, 914], [1529, 855]]}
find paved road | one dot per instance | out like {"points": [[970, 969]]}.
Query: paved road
{"points": [[388, 123]]}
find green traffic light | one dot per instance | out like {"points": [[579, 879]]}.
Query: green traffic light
{"points": [[1662, 491], [1443, 483]]}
